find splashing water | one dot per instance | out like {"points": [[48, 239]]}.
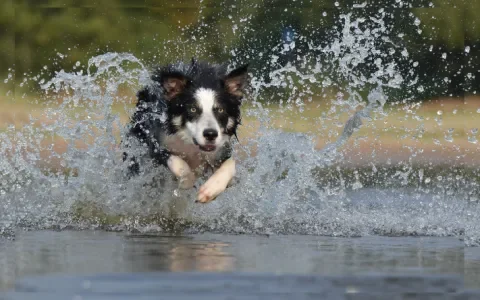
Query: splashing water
{"points": [[285, 185]]}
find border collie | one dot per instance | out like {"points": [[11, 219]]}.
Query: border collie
{"points": [[187, 118]]}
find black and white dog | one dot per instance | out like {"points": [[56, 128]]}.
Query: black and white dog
{"points": [[187, 119]]}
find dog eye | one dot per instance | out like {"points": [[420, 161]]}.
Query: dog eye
{"points": [[220, 110], [193, 109]]}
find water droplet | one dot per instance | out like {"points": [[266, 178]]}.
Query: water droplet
{"points": [[439, 112], [417, 21], [448, 135], [337, 4], [444, 55], [427, 180], [473, 139], [454, 111], [467, 49], [324, 14]]}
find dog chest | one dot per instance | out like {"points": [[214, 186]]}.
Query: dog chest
{"points": [[194, 157]]}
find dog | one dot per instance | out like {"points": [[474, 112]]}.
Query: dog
{"points": [[187, 118]]}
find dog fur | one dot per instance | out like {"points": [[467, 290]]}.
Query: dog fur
{"points": [[187, 118]]}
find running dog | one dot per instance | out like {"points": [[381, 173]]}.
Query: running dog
{"points": [[187, 118]]}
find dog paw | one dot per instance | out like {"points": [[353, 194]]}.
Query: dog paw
{"points": [[187, 181], [210, 190]]}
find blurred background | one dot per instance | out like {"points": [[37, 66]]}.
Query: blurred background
{"points": [[439, 63], [35, 32]]}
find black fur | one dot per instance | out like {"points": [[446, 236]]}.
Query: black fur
{"points": [[157, 106]]}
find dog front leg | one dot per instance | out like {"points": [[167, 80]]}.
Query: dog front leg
{"points": [[186, 178], [218, 182]]}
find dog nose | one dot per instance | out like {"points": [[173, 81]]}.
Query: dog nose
{"points": [[210, 134]]}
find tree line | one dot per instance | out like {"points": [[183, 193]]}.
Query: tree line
{"points": [[443, 36]]}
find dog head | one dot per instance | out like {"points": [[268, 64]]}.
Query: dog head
{"points": [[203, 102]]}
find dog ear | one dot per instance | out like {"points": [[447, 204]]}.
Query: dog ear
{"points": [[173, 84], [236, 80]]}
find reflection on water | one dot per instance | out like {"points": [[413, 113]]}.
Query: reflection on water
{"points": [[174, 253], [87, 252]]}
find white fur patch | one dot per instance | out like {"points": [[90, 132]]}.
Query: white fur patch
{"points": [[218, 182], [185, 136], [230, 123], [178, 166], [182, 171], [206, 101], [177, 121]]}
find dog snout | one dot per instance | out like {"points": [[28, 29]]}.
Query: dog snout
{"points": [[210, 134]]}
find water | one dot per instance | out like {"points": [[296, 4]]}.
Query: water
{"points": [[285, 184], [133, 266]]}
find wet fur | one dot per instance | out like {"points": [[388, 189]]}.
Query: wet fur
{"points": [[172, 113]]}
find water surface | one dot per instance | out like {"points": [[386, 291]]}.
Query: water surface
{"points": [[69, 254]]}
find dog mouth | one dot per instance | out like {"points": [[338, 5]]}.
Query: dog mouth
{"points": [[206, 147]]}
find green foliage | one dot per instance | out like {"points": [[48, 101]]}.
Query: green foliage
{"points": [[60, 33], [450, 24], [44, 29], [7, 36]]}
